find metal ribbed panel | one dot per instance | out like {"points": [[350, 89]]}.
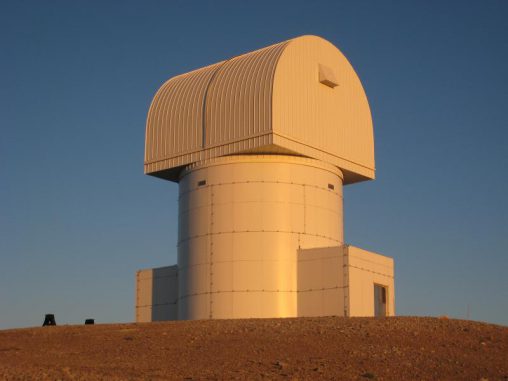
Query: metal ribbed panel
{"points": [[270, 100], [335, 123], [174, 124], [236, 96], [239, 99]]}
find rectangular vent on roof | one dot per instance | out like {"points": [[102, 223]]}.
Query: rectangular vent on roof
{"points": [[327, 77]]}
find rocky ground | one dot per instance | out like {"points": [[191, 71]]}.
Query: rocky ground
{"points": [[331, 348]]}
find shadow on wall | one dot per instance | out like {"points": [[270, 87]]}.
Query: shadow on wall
{"points": [[165, 293], [157, 294]]}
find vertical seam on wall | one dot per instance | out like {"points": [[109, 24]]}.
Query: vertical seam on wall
{"points": [[304, 210], [211, 255], [345, 266], [203, 119], [137, 297], [273, 81]]}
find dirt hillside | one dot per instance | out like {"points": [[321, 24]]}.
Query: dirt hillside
{"points": [[306, 349]]}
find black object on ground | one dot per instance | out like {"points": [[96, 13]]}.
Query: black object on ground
{"points": [[49, 319], [89, 321]]}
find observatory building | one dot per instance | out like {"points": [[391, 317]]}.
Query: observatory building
{"points": [[261, 145]]}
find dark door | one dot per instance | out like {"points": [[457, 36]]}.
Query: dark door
{"points": [[379, 300]]}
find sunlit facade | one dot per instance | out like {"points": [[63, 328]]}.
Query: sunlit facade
{"points": [[261, 145]]}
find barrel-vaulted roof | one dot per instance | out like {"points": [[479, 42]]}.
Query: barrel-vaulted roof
{"points": [[299, 97]]}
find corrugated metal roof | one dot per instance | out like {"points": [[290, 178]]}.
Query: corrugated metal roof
{"points": [[175, 120], [331, 124], [267, 100], [239, 98]]}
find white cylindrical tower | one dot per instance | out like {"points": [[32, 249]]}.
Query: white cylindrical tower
{"points": [[241, 221]]}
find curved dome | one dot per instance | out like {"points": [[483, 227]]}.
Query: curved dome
{"points": [[299, 97]]}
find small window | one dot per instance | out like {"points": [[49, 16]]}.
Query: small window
{"points": [[201, 183], [331, 186]]}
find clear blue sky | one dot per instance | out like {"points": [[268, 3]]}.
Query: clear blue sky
{"points": [[78, 217]]}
